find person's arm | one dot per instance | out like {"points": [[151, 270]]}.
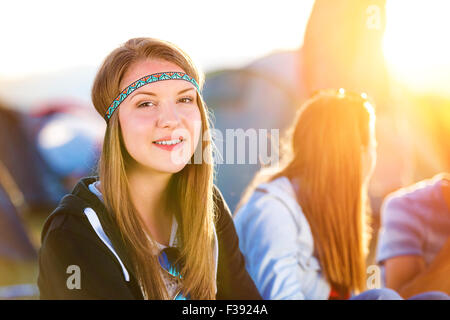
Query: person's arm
{"points": [[400, 241], [417, 277], [233, 281], [401, 270], [279, 258], [73, 266]]}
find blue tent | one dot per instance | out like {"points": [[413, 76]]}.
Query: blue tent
{"points": [[15, 245], [20, 179]]}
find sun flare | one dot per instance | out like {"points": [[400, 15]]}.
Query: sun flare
{"points": [[416, 43]]}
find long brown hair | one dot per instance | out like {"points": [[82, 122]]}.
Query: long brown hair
{"points": [[192, 186], [322, 152]]}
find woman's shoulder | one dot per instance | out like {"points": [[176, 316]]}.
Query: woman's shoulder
{"points": [[69, 239], [65, 219], [274, 205], [275, 199], [82, 227]]}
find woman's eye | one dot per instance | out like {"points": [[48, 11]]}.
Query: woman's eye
{"points": [[146, 104], [186, 100]]}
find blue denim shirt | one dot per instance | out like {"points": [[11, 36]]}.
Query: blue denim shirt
{"points": [[278, 246]]}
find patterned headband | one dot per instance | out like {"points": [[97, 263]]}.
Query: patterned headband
{"points": [[171, 75]]}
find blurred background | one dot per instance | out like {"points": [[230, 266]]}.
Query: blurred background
{"points": [[262, 59]]}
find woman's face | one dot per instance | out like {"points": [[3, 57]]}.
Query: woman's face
{"points": [[161, 121]]}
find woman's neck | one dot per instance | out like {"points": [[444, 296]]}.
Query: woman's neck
{"points": [[148, 192]]}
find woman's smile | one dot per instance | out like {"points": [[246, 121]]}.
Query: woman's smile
{"points": [[169, 145]]}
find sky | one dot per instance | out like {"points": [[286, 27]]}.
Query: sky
{"points": [[48, 39], [46, 36]]}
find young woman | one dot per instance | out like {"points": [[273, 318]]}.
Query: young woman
{"points": [[152, 225], [302, 226]]}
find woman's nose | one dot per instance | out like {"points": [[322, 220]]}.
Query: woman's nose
{"points": [[168, 116]]}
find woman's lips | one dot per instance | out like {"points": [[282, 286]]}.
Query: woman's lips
{"points": [[168, 138], [169, 147]]}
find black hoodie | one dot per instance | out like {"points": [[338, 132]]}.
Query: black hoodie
{"points": [[68, 239]]}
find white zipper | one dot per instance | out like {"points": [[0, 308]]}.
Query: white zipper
{"points": [[97, 226]]}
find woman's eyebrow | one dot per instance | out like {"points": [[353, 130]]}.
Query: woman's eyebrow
{"points": [[149, 93], [183, 91]]}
